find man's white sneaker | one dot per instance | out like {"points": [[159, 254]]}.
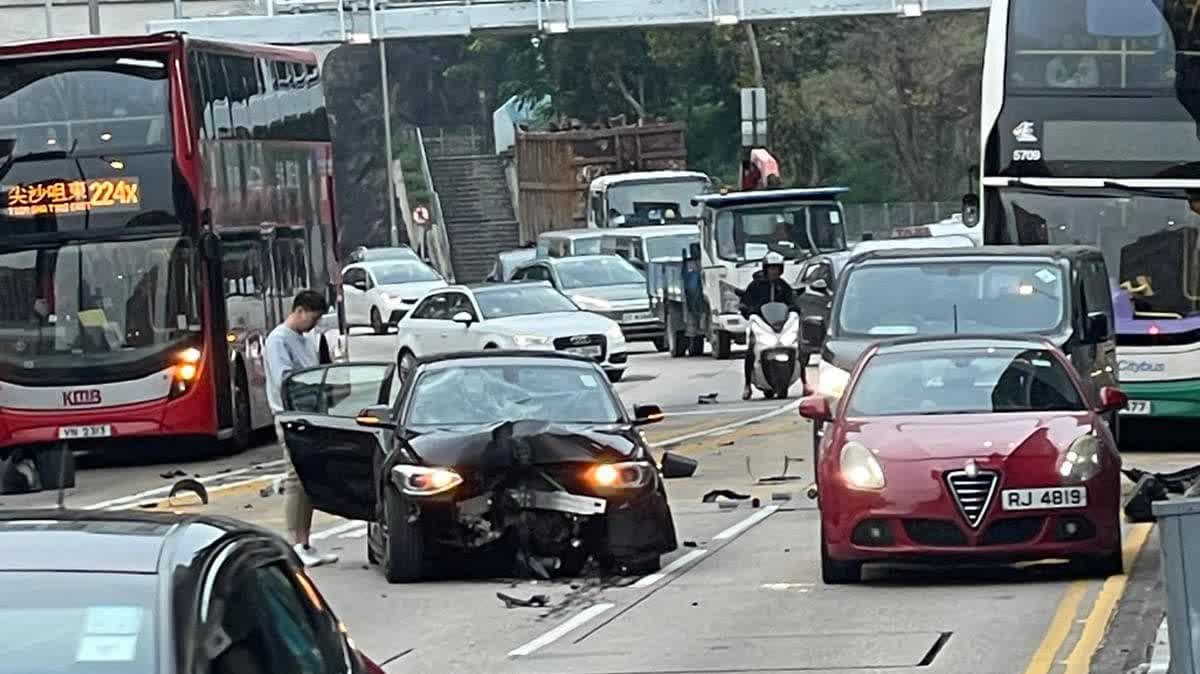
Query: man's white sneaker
{"points": [[311, 556]]}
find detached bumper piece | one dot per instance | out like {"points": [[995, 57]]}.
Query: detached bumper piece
{"points": [[558, 501]]}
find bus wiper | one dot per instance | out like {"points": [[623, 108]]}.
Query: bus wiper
{"points": [[1148, 191]]}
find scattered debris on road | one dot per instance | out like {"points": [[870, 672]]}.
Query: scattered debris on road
{"points": [[775, 479], [536, 601], [712, 496], [172, 474], [676, 466], [707, 399], [191, 485]]}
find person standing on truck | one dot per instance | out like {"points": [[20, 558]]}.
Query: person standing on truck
{"points": [[287, 350], [764, 289]]}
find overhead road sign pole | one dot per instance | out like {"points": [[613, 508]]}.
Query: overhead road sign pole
{"points": [[754, 117]]}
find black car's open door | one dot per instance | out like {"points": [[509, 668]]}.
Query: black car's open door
{"points": [[334, 457]]}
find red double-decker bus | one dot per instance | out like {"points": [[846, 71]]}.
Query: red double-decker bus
{"points": [[162, 200]]}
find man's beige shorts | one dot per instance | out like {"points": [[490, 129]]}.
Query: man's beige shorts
{"points": [[297, 508]]}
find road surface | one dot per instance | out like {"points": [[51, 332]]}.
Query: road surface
{"points": [[742, 594]]}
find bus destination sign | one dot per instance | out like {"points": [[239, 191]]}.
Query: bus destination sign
{"points": [[63, 197]]}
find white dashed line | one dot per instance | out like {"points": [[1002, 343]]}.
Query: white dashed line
{"points": [[669, 570], [562, 630], [746, 523]]}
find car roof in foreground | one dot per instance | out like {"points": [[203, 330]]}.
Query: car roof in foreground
{"points": [[944, 343], [122, 541], [979, 252], [498, 357]]}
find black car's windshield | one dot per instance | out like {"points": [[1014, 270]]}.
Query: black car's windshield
{"points": [[951, 297], [487, 394], [964, 381], [391, 273], [605, 271], [78, 623], [794, 230], [68, 310], [522, 300], [661, 200]]}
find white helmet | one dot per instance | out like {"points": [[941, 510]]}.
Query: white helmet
{"points": [[772, 258]]}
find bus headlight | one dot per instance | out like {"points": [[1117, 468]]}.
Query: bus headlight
{"points": [[186, 369]]}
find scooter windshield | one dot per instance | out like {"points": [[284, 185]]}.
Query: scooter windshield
{"points": [[775, 314]]}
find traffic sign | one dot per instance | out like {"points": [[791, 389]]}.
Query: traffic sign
{"points": [[754, 116], [420, 215]]}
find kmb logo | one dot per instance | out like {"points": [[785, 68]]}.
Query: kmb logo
{"points": [[80, 397]]}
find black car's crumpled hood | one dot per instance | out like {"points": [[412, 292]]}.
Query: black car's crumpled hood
{"points": [[512, 443]]}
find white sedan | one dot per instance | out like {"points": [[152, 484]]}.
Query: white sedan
{"points": [[379, 293], [519, 316]]}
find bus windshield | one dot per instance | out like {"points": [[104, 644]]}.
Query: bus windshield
{"points": [[1150, 242], [747, 234], [1101, 44], [73, 311], [85, 143]]}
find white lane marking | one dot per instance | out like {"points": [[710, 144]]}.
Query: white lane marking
{"points": [[339, 529], [560, 631], [357, 533], [729, 426], [714, 410], [746, 523], [160, 492], [670, 569]]}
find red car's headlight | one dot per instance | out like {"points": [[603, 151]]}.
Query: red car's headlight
{"points": [[1081, 461], [860, 468]]}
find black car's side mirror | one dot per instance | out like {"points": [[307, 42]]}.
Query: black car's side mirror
{"points": [[1097, 329], [376, 416], [647, 414], [812, 331], [820, 286]]}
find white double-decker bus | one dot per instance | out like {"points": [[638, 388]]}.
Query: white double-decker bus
{"points": [[1091, 134]]}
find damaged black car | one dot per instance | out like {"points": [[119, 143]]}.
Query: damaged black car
{"points": [[526, 457]]}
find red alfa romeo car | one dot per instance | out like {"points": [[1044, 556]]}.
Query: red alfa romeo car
{"points": [[967, 449]]}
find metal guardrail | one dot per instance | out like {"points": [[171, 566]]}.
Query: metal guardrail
{"points": [[436, 245], [1179, 533]]}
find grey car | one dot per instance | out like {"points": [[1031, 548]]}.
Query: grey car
{"points": [[604, 284]]}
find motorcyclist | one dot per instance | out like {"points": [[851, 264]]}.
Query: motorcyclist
{"points": [[764, 289]]}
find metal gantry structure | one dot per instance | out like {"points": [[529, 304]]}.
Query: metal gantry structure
{"points": [[310, 22]]}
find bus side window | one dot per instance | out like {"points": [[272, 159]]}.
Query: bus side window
{"points": [[218, 93], [201, 116]]}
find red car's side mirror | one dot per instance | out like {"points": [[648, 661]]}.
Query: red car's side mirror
{"points": [[816, 408], [1113, 399]]}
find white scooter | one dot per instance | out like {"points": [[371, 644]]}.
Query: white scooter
{"points": [[776, 333]]}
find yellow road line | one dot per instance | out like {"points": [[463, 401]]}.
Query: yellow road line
{"points": [[1060, 627], [1097, 621]]}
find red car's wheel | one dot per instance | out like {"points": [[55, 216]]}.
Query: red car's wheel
{"points": [[838, 572]]}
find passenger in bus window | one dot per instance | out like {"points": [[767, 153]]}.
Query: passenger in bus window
{"points": [[1085, 74]]}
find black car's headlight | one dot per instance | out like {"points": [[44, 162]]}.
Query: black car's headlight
{"points": [[624, 475], [424, 481]]}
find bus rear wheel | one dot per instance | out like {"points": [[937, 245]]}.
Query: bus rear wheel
{"points": [[242, 427]]}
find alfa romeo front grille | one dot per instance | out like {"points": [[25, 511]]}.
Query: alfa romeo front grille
{"points": [[973, 494]]}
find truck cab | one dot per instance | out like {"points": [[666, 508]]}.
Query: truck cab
{"points": [[738, 229], [642, 198]]}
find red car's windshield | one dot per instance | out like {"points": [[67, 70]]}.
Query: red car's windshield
{"points": [[964, 381]]}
